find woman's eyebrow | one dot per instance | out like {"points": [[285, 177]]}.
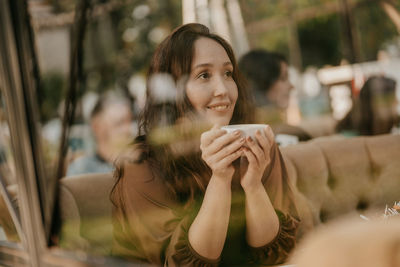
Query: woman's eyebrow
{"points": [[202, 65]]}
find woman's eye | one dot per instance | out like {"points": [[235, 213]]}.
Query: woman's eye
{"points": [[204, 75], [228, 73]]}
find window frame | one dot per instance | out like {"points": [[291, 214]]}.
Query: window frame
{"points": [[18, 87], [19, 80]]}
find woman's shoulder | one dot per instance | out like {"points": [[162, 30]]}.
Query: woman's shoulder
{"points": [[136, 173], [133, 163]]}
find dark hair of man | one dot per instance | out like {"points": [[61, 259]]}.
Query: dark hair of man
{"points": [[261, 68], [185, 175]]}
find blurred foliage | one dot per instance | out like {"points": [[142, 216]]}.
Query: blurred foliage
{"points": [[276, 40], [51, 92], [319, 40], [117, 45], [121, 43], [374, 29], [259, 9], [255, 10], [308, 3], [60, 6]]}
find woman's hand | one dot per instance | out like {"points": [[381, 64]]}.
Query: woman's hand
{"points": [[220, 149], [258, 157]]}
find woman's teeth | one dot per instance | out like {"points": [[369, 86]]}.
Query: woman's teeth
{"points": [[218, 108]]}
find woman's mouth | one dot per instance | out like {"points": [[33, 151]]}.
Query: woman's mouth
{"points": [[219, 107]]}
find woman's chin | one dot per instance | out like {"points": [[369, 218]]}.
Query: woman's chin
{"points": [[220, 121], [217, 119]]}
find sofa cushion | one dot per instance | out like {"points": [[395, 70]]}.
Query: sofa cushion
{"points": [[85, 209], [338, 175]]}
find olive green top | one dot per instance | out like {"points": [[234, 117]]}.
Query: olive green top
{"points": [[150, 225]]}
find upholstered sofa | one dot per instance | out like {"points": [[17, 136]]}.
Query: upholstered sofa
{"points": [[336, 175], [332, 176]]}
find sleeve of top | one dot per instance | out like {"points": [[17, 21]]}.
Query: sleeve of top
{"points": [[147, 226], [181, 253], [279, 189], [277, 251]]}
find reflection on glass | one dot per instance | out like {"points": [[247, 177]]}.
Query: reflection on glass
{"points": [[110, 124], [8, 187], [120, 37]]}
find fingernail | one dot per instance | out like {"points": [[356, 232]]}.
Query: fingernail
{"points": [[241, 140], [249, 139], [237, 132]]}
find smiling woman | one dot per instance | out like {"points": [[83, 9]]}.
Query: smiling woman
{"points": [[226, 200], [211, 88], [186, 192]]}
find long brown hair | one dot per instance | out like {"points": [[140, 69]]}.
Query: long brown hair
{"points": [[378, 92], [184, 175]]}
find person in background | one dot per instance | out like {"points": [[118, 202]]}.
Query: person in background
{"points": [[111, 124], [374, 111], [227, 201], [268, 78]]}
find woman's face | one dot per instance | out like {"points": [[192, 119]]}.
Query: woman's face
{"points": [[211, 89], [280, 90]]}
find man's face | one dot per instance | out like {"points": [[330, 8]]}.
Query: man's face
{"points": [[114, 125], [279, 93]]}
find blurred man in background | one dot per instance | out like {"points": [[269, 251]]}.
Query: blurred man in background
{"points": [[112, 127], [268, 78]]}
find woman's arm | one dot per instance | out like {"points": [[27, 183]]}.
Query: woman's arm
{"points": [[208, 231], [262, 223]]}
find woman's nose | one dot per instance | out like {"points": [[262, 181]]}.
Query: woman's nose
{"points": [[220, 88]]}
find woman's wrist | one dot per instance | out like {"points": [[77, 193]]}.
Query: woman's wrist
{"points": [[221, 180], [254, 187]]}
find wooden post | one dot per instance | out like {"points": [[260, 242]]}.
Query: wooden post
{"points": [[350, 33], [295, 56], [392, 13]]}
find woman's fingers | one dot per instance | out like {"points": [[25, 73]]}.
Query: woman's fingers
{"points": [[226, 161], [208, 137], [251, 158], [270, 134], [263, 140], [219, 142], [225, 158], [256, 149], [229, 149], [220, 149]]}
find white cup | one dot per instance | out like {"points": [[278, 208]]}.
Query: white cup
{"points": [[245, 129]]}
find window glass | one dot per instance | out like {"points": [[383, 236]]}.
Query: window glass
{"points": [[119, 40], [333, 48], [113, 69], [8, 187], [99, 117]]}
